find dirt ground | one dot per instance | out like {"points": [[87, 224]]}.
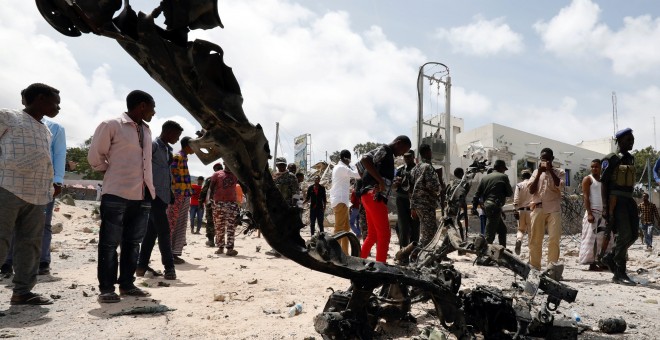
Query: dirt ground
{"points": [[257, 290]]}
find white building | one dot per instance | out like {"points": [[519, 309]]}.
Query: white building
{"points": [[515, 146]]}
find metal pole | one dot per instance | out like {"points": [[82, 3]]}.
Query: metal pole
{"points": [[448, 126], [420, 107], [277, 139]]}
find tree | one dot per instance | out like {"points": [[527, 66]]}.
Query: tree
{"points": [[79, 156], [334, 157], [362, 148], [641, 156]]}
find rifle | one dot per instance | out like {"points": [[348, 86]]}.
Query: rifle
{"points": [[609, 226]]}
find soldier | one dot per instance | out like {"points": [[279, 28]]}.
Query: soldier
{"points": [[619, 207], [521, 200], [408, 228], [456, 203], [287, 183], [424, 197], [493, 190]]}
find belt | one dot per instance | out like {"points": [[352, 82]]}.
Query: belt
{"points": [[621, 193], [525, 208]]}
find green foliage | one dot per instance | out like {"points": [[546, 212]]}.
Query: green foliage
{"points": [[641, 156], [79, 155], [362, 148], [334, 157]]}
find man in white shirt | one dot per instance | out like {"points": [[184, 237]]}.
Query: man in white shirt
{"points": [[340, 194]]}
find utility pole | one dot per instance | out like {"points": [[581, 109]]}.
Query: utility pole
{"points": [[277, 141]]}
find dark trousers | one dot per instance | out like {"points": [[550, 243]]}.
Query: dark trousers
{"points": [[122, 222], [626, 221], [495, 225], [45, 241], [210, 227], [408, 228], [316, 215], [24, 222], [158, 227]]}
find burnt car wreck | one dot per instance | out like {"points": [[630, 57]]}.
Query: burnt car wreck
{"points": [[194, 73]]}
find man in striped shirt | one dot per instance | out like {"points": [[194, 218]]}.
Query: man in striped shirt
{"points": [[649, 218]]}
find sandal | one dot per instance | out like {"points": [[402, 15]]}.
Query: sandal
{"points": [[110, 297], [30, 299], [135, 291]]}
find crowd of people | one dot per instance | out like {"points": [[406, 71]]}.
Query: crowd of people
{"points": [[147, 195]]}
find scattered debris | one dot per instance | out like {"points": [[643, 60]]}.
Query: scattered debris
{"points": [[290, 303], [145, 310], [64, 256], [55, 296], [73, 286], [91, 260], [197, 258], [87, 230], [144, 284], [92, 241], [85, 294], [68, 200], [243, 267], [271, 311], [612, 325], [219, 297], [258, 249], [642, 271], [252, 282], [57, 228], [163, 284], [653, 301], [68, 216]]}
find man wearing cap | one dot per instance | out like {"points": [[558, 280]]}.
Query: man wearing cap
{"points": [[619, 207], [493, 190], [340, 194], [408, 228], [521, 200], [287, 184], [545, 185]]}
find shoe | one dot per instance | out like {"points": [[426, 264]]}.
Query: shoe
{"points": [[44, 268], [178, 260], [210, 243], [649, 249], [29, 299], [232, 252], [170, 274], [273, 252], [135, 291], [110, 297], [518, 246], [626, 281], [220, 251], [595, 268]]}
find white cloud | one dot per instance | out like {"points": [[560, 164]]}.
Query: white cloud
{"points": [[576, 31], [482, 38], [637, 110]]}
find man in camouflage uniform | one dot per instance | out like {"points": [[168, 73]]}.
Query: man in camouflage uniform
{"points": [[424, 196], [619, 207], [208, 207], [493, 190], [287, 183], [407, 227], [456, 200]]}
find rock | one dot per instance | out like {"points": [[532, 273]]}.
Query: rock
{"points": [[68, 216], [55, 296], [64, 256], [163, 284], [219, 297], [57, 228], [92, 241], [87, 230], [85, 294], [612, 325], [68, 200], [73, 286], [653, 301], [252, 282]]}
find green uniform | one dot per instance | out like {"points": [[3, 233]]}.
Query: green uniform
{"points": [[424, 199], [617, 176], [493, 190]]}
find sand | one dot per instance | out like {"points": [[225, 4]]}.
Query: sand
{"points": [[248, 296]]}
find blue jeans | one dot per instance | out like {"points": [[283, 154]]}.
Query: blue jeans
{"points": [[196, 211], [482, 220], [354, 220], [648, 234], [122, 222], [158, 227]]}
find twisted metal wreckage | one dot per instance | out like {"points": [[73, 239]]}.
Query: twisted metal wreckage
{"points": [[194, 73]]}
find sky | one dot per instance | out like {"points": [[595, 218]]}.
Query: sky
{"points": [[345, 71]]}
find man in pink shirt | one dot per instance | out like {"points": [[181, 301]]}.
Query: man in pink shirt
{"points": [[225, 209], [121, 150]]}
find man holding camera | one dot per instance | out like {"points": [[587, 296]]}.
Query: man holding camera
{"points": [[424, 197], [545, 185]]}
